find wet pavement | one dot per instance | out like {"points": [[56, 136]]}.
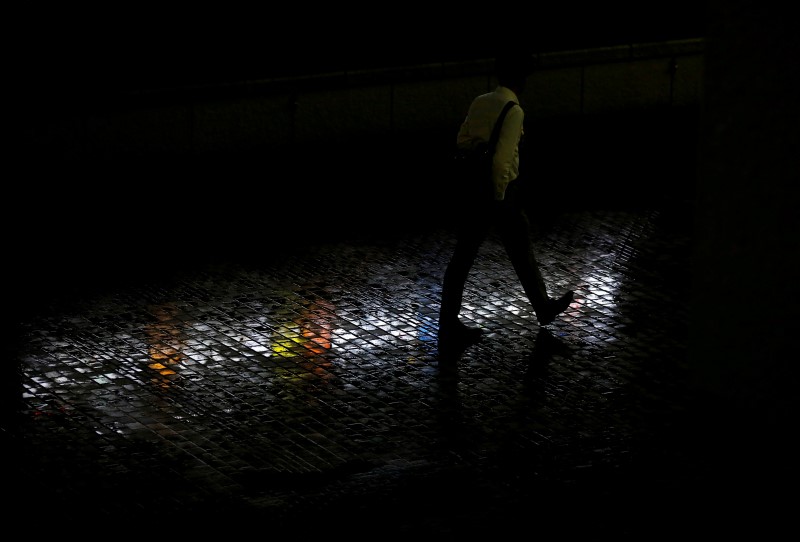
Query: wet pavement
{"points": [[301, 391], [309, 387]]}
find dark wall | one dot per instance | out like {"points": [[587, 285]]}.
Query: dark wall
{"points": [[745, 309], [116, 47]]}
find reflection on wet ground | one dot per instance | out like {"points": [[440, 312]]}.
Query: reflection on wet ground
{"points": [[307, 388]]}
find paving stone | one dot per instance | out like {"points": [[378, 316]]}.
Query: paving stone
{"points": [[308, 388]]}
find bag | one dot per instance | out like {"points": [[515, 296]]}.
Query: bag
{"points": [[473, 166], [474, 162]]}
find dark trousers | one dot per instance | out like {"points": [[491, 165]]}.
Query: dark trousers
{"points": [[513, 226]]}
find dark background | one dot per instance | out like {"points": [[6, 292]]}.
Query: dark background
{"points": [[121, 48], [746, 220]]}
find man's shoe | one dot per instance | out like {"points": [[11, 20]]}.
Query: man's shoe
{"points": [[458, 332], [555, 307]]}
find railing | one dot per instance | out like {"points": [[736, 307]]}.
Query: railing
{"points": [[282, 112]]}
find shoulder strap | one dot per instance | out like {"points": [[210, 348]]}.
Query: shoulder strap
{"points": [[498, 123]]}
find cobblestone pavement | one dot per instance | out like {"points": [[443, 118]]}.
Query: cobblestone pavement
{"points": [[304, 391]]}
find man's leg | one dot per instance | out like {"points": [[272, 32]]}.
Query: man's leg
{"points": [[472, 232], [516, 235], [514, 229], [455, 276]]}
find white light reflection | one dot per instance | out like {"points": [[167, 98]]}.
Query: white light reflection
{"points": [[602, 273]]}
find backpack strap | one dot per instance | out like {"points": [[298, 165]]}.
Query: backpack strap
{"points": [[498, 123]]}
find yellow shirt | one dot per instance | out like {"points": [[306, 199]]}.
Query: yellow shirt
{"points": [[478, 125]]}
